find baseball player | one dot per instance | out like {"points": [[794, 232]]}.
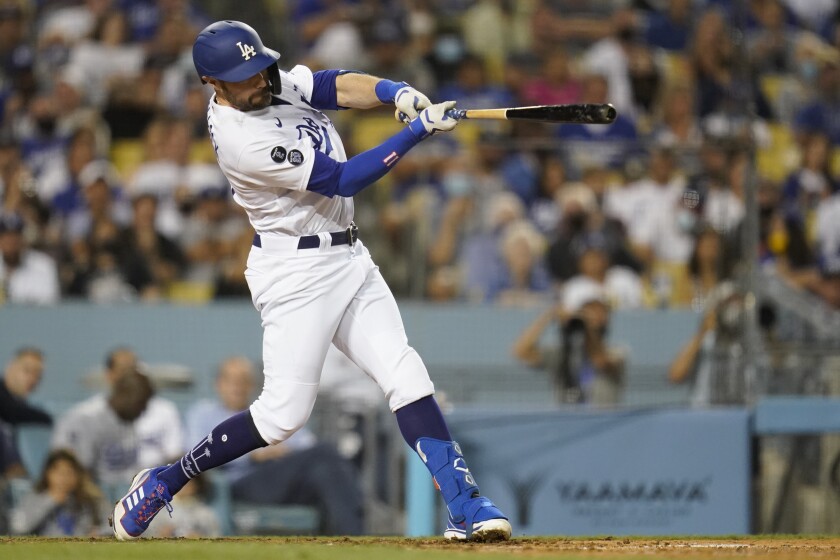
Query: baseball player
{"points": [[311, 277]]}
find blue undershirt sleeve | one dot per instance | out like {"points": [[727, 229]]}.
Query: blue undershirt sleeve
{"points": [[324, 95], [330, 177]]}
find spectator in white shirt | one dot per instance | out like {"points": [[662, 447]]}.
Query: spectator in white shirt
{"points": [[26, 276]]}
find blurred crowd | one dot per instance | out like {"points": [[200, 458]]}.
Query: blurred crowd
{"points": [[66, 484], [109, 189]]}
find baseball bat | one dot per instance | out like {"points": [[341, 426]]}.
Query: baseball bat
{"points": [[577, 113]]}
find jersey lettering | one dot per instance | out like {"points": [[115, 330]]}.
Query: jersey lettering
{"points": [[316, 134]]}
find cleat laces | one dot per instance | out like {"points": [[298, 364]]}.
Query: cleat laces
{"points": [[153, 504]]}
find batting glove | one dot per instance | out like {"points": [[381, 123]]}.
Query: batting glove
{"points": [[409, 103], [433, 119]]}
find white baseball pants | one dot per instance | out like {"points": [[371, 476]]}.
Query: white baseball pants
{"points": [[308, 298]]}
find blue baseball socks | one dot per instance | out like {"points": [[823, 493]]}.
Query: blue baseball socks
{"points": [[231, 439]]}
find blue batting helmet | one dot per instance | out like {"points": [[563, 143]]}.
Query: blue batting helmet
{"points": [[232, 51]]}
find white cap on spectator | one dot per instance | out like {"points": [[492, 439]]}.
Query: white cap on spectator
{"points": [[581, 290], [98, 169], [577, 193], [200, 178]]}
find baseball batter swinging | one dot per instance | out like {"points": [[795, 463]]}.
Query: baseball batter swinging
{"points": [[310, 276]]}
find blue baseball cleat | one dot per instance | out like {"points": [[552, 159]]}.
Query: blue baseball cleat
{"points": [[135, 511], [487, 523], [472, 517]]}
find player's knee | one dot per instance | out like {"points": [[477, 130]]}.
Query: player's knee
{"points": [[409, 382], [275, 428], [278, 418]]}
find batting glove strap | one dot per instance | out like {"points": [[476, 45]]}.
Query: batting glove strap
{"points": [[418, 129], [409, 103], [433, 119], [386, 90]]}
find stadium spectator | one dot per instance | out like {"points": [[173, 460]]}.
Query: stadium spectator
{"points": [[103, 205], [610, 57], [170, 173], [713, 360], [390, 55], [21, 377], [709, 266], [58, 186], [27, 276], [11, 467], [18, 196], [670, 28], [771, 45], [543, 209], [620, 285], [229, 281], [828, 237], [298, 471], [211, 234], [523, 278], [472, 87], [94, 64], [17, 77], [582, 217], [675, 125], [555, 84], [586, 145], [495, 31], [572, 22], [822, 115], [150, 260], [584, 368], [813, 182], [647, 209], [64, 502], [159, 428], [104, 433]]}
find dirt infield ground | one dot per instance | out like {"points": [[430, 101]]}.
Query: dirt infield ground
{"points": [[373, 548]]}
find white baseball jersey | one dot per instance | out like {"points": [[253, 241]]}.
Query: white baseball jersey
{"points": [[267, 155], [308, 298]]}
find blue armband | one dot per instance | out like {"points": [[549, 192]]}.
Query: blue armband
{"points": [[330, 177], [324, 93], [323, 89], [386, 90]]}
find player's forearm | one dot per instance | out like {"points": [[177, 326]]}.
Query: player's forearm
{"points": [[331, 178], [357, 91]]}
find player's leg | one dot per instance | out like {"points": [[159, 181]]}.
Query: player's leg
{"points": [[297, 334], [152, 489], [371, 333]]}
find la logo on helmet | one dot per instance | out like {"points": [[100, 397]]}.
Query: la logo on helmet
{"points": [[247, 50]]}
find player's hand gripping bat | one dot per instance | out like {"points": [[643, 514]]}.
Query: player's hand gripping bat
{"points": [[577, 113]]}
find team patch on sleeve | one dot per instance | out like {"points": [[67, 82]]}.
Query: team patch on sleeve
{"points": [[295, 157], [278, 154]]}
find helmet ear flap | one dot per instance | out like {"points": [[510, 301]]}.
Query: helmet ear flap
{"points": [[274, 79]]}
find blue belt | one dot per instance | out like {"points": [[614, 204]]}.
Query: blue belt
{"points": [[346, 237]]}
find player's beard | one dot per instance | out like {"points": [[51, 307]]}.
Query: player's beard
{"points": [[254, 102]]}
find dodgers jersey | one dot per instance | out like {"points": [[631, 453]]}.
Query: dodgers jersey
{"points": [[267, 156]]}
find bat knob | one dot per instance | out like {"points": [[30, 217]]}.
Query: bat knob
{"points": [[608, 113], [456, 114]]}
